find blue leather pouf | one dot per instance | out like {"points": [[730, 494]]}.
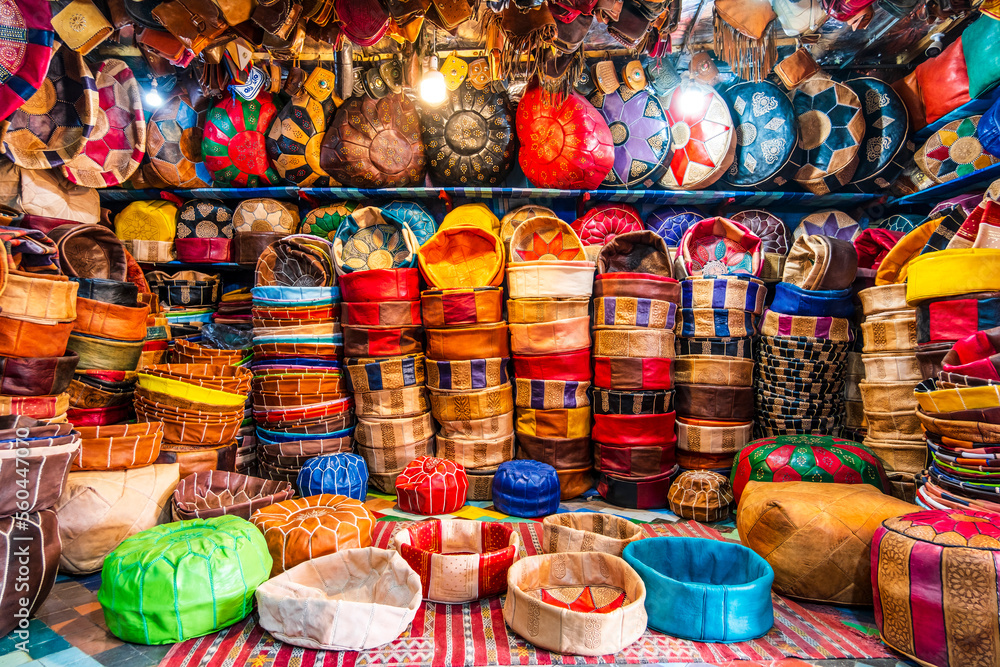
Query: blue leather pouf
{"points": [[703, 590], [343, 474], [526, 488]]}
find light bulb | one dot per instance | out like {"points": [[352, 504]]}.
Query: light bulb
{"points": [[153, 98], [691, 100], [432, 88]]}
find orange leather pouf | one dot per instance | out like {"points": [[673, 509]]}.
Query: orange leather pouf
{"points": [[300, 529]]}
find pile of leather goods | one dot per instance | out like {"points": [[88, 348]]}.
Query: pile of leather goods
{"points": [[713, 377], [550, 282], [301, 403], [805, 336], [468, 346], [35, 456], [190, 299], [635, 311], [384, 336]]}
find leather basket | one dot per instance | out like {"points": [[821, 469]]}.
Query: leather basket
{"points": [[36, 376], [42, 297], [33, 338], [217, 493], [42, 472], [104, 353], [106, 320], [119, 453]]}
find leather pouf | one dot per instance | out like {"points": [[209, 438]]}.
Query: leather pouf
{"points": [[670, 223], [415, 215], [430, 485], [603, 222], [459, 561], [205, 219], [565, 146], [303, 528], [118, 142], [469, 139], [173, 143], [347, 601], [835, 224], [233, 145], [39, 533], [810, 458], [99, 509], [338, 474], [182, 580], [816, 536], [293, 142], [640, 133], [887, 146], [831, 127], [374, 144], [953, 151], [767, 146], [701, 130], [526, 488], [704, 590], [774, 234], [701, 495], [935, 579], [325, 220]]}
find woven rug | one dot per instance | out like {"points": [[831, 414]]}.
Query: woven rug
{"points": [[475, 634]]}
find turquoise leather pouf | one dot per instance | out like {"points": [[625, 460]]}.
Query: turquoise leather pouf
{"points": [[182, 580], [703, 590]]}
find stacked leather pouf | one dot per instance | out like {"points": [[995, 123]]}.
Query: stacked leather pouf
{"points": [[468, 352], [635, 311], [721, 305], [804, 341], [384, 345], [113, 491], [35, 456], [550, 283], [889, 331], [300, 398]]}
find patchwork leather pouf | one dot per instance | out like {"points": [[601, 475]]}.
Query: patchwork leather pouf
{"points": [[887, 146], [953, 151], [934, 575], [303, 528], [831, 127], [701, 132], [233, 146], [641, 136], [173, 143], [160, 587], [430, 485], [766, 137], [293, 142]]}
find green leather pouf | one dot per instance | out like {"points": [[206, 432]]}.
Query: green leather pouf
{"points": [[182, 580]]}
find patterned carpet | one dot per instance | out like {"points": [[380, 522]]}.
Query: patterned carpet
{"points": [[69, 629]]}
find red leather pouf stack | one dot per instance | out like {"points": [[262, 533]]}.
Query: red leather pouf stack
{"points": [[635, 310], [550, 282], [383, 346]]}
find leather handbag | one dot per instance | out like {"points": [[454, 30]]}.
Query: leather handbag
{"points": [[943, 82], [469, 139], [349, 150], [462, 306], [123, 323]]}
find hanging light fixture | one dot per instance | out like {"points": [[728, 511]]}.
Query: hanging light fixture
{"points": [[153, 97], [432, 88]]}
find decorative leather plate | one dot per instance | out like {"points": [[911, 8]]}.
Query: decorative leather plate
{"points": [[115, 147], [640, 132], [829, 223], [604, 221], [293, 142], [887, 147], [701, 129], [53, 125], [773, 233], [374, 143], [415, 216], [325, 220], [953, 151], [831, 127], [233, 145], [173, 143], [670, 222], [566, 146], [469, 139], [205, 219]]}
